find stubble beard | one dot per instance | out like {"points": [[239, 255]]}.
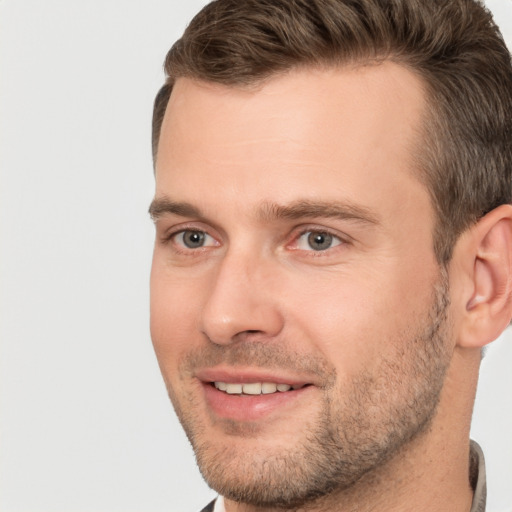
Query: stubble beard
{"points": [[359, 428]]}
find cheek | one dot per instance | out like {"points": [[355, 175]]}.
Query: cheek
{"points": [[174, 313], [355, 322], [341, 324]]}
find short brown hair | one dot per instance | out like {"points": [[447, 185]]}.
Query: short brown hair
{"points": [[465, 158]]}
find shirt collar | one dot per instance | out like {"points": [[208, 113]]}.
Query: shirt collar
{"points": [[219, 505], [477, 477]]}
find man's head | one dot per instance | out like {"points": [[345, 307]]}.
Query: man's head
{"points": [[329, 255]]}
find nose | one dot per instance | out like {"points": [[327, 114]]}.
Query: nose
{"points": [[242, 301]]}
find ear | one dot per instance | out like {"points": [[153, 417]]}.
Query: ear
{"points": [[487, 255]]}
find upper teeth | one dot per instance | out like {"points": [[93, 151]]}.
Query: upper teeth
{"points": [[253, 388]]}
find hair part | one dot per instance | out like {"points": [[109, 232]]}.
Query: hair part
{"points": [[464, 153]]}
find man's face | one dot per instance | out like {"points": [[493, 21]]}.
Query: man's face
{"points": [[294, 270]]}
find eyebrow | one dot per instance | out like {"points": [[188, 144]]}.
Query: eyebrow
{"points": [[269, 211], [324, 209], [163, 205]]}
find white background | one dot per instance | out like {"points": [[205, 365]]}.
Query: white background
{"points": [[85, 422]]}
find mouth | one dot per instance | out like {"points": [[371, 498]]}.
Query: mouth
{"points": [[246, 395], [255, 388]]}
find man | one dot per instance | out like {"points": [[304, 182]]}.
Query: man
{"points": [[333, 248]]}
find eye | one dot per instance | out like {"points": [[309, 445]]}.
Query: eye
{"points": [[317, 241], [193, 239]]}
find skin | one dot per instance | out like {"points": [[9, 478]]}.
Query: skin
{"points": [[256, 171]]}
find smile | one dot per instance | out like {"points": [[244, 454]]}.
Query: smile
{"points": [[254, 388], [247, 395]]}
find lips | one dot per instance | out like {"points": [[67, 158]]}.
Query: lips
{"points": [[232, 375], [247, 395]]}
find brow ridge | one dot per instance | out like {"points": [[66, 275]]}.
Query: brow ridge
{"points": [[269, 211], [163, 205], [324, 209]]}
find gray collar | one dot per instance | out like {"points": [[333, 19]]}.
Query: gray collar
{"points": [[477, 477]]}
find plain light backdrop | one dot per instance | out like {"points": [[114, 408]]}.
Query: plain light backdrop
{"points": [[85, 422]]}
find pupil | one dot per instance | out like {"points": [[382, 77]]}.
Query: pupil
{"points": [[193, 239], [319, 241]]}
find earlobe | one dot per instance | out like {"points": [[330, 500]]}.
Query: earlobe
{"points": [[489, 305]]}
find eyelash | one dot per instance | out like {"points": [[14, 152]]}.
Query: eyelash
{"points": [[320, 231], [168, 237], [341, 240]]}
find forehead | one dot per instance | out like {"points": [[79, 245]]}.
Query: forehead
{"points": [[331, 132]]}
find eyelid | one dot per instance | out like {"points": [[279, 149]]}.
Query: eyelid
{"points": [[169, 233], [303, 230], [299, 231], [180, 249]]}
